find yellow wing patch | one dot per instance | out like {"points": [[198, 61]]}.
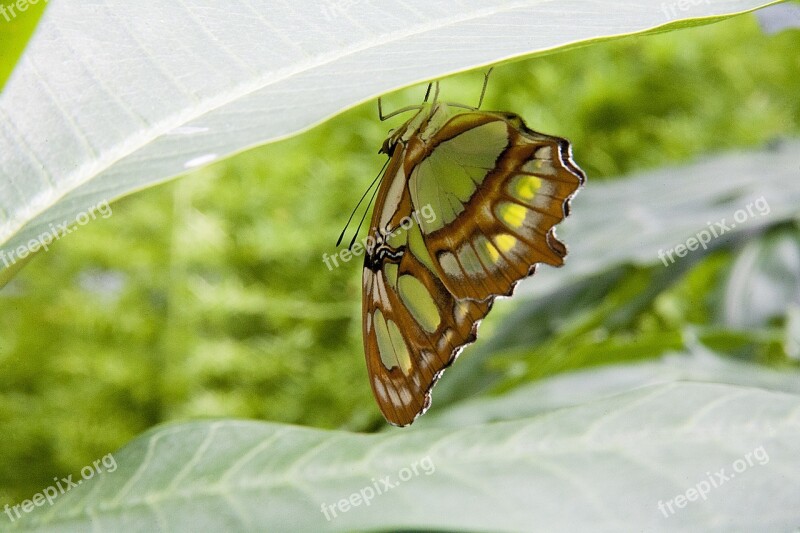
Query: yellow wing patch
{"points": [[524, 187], [505, 242], [512, 215]]}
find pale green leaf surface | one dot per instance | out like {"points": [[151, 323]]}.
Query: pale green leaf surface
{"points": [[792, 332], [587, 386], [609, 462], [764, 281], [112, 97]]}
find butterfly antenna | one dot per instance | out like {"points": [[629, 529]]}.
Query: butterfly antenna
{"points": [[359, 203], [350, 246]]}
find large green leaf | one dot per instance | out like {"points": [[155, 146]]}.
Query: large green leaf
{"points": [[764, 280], [587, 386], [603, 466], [116, 98]]}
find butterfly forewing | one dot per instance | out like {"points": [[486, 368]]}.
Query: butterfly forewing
{"points": [[493, 190]]}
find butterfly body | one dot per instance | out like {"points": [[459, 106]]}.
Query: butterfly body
{"points": [[465, 210]]}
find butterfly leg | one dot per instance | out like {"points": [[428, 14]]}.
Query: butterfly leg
{"points": [[395, 112], [380, 110], [427, 92], [435, 93], [383, 117], [480, 100], [483, 90]]}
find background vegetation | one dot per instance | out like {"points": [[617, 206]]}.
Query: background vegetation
{"points": [[207, 296]]}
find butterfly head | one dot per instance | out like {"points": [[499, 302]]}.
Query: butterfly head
{"points": [[390, 143], [427, 116]]}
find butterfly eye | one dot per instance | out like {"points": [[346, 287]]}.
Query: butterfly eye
{"points": [[388, 146]]}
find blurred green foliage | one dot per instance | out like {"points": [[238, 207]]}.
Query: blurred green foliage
{"points": [[16, 28], [208, 297]]}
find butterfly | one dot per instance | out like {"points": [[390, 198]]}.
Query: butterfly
{"points": [[465, 209]]}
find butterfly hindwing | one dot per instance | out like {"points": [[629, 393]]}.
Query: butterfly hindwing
{"points": [[413, 329]]}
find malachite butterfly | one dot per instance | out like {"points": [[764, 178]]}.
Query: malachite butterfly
{"points": [[493, 190]]}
